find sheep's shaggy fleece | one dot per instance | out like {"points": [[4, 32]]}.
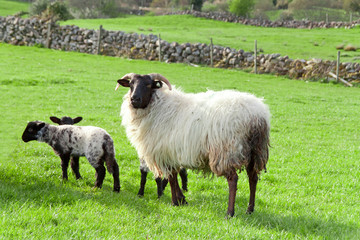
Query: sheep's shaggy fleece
{"points": [[206, 131]]}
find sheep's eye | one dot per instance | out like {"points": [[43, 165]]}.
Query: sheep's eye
{"points": [[31, 130]]}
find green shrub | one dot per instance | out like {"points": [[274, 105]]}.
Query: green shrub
{"points": [[286, 15], [94, 8], [241, 7], [352, 5], [38, 7], [46, 9], [215, 7], [59, 10]]}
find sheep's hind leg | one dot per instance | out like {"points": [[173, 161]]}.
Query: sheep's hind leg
{"points": [[177, 196], [232, 179], [75, 167], [253, 179], [100, 175], [183, 175], [65, 158], [115, 173]]}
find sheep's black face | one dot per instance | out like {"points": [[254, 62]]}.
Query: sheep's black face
{"points": [[141, 89], [32, 131]]}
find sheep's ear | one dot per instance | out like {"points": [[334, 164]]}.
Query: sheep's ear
{"points": [[55, 119], [77, 119], [124, 82], [157, 84]]}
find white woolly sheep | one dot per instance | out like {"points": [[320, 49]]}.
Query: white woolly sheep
{"points": [[74, 160], [221, 132], [92, 142]]}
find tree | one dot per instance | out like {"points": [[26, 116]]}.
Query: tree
{"points": [[352, 5], [197, 4], [241, 7]]}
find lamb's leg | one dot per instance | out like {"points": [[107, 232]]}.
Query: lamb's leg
{"points": [[100, 175], [183, 175], [65, 158], [75, 166], [253, 179], [177, 196], [159, 185], [232, 179], [115, 173]]}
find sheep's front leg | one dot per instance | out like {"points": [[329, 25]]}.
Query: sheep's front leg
{"points": [[100, 175], [160, 188], [75, 166], [232, 179], [142, 183], [253, 179], [65, 158], [164, 183], [177, 196]]}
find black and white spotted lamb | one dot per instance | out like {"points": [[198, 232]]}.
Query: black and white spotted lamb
{"points": [[67, 140], [74, 161]]}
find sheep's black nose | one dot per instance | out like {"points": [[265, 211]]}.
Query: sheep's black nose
{"points": [[135, 99], [136, 102]]}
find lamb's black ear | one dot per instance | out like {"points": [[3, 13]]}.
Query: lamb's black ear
{"points": [[41, 125], [55, 119], [77, 119], [157, 84]]}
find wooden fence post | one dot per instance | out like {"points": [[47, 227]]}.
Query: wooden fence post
{"points": [[337, 66], [211, 53], [351, 17], [255, 57], [48, 37], [99, 40], [327, 18], [159, 47]]}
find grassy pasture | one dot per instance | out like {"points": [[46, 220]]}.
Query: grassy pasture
{"points": [[296, 43], [11, 7], [311, 189]]}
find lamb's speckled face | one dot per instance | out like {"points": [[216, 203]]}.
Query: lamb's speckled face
{"points": [[141, 89], [32, 130]]}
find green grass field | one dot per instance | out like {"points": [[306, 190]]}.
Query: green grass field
{"points": [[296, 43], [12, 7], [311, 189]]}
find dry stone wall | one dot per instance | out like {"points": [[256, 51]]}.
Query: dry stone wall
{"points": [[227, 17], [30, 32]]}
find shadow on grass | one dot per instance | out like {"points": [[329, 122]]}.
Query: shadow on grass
{"points": [[21, 188], [298, 225], [40, 192]]}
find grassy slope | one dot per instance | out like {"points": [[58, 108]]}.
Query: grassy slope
{"points": [[296, 43], [12, 7], [311, 188]]}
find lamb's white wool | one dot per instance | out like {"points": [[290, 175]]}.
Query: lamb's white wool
{"points": [[85, 141], [196, 131]]}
